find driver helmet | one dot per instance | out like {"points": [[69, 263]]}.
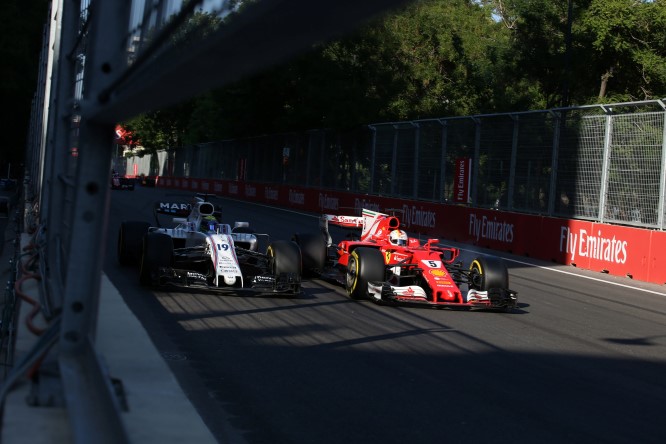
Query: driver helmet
{"points": [[398, 237], [208, 224]]}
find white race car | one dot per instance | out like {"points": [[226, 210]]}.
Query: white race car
{"points": [[200, 251]]}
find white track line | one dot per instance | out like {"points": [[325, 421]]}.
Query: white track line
{"points": [[617, 284]]}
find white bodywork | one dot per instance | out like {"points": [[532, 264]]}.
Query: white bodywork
{"points": [[200, 227], [220, 245]]}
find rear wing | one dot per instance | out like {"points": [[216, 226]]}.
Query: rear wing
{"points": [[373, 224], [176, 209]]}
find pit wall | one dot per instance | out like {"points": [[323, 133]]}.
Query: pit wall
{"points": [[617, 250]]}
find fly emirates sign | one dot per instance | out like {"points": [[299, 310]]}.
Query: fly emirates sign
{"points": [[490, 229], [582, 244]]}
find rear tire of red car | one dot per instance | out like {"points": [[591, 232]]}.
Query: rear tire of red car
{"points": [[157, 252], [130, 241], [488, 272], [365, 265], [313, 252]]}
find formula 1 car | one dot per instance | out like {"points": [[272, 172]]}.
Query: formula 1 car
{"points": [[387, 266], [121, 183], [201, 252]]}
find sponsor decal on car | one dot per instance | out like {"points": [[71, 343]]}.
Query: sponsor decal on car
{"points": [[195, 275], [174, 207]]}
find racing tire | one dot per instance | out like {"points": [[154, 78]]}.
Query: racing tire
{"points": [[157, 252], [488, 272], [285, 257], [365, 265], [313, 252], [130, 241]]}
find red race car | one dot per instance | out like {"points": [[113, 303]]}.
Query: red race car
{"points": [[386, 265]]}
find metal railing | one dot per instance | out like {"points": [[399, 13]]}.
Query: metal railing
{"points": [[103, 62]]}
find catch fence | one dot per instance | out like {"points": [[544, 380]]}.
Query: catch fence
{"points": [[603, 163]]}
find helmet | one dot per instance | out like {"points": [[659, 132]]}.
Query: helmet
{"points": [[398, 237], [208, 223]]}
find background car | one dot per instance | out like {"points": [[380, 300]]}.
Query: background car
{"points": [[119, 182]]}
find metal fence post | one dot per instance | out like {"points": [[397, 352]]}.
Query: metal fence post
{"points": [[394, 159], [603, 189], [442, 162], [554, 161], [417, 137], [92, 406], [514, 155], [662, 180], [373, 151], [477, 161]]}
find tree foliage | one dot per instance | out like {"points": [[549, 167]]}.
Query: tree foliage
{"points": [[628, 47], [438, 58]]}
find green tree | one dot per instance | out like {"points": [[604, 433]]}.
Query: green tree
{"points": [[163, 128], [433, 58], [628, 46], [439, 58]]}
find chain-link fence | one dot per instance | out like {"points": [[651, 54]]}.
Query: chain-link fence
{"points": [[603, 163], [104, 62]]}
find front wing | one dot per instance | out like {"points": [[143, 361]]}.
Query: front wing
{"points": [[495, 298], [283, 283]]}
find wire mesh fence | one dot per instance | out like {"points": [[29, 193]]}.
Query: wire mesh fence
{"points": [[603, 163]]}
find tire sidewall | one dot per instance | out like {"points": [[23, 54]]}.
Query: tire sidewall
{"points": [[366, 265], [130, 241]]}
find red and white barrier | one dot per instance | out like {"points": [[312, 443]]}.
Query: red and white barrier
{"points": [[613, 249]]}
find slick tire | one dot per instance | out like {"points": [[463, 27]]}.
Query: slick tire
{"points": [[130, 240], [488, 272], [313, 252], [285, 257], [365, 265], [157, 252]]}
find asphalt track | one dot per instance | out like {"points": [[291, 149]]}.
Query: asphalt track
{"points": [[583, 360]]}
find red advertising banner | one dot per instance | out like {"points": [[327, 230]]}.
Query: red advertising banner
{"points": [[461, 189]]}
